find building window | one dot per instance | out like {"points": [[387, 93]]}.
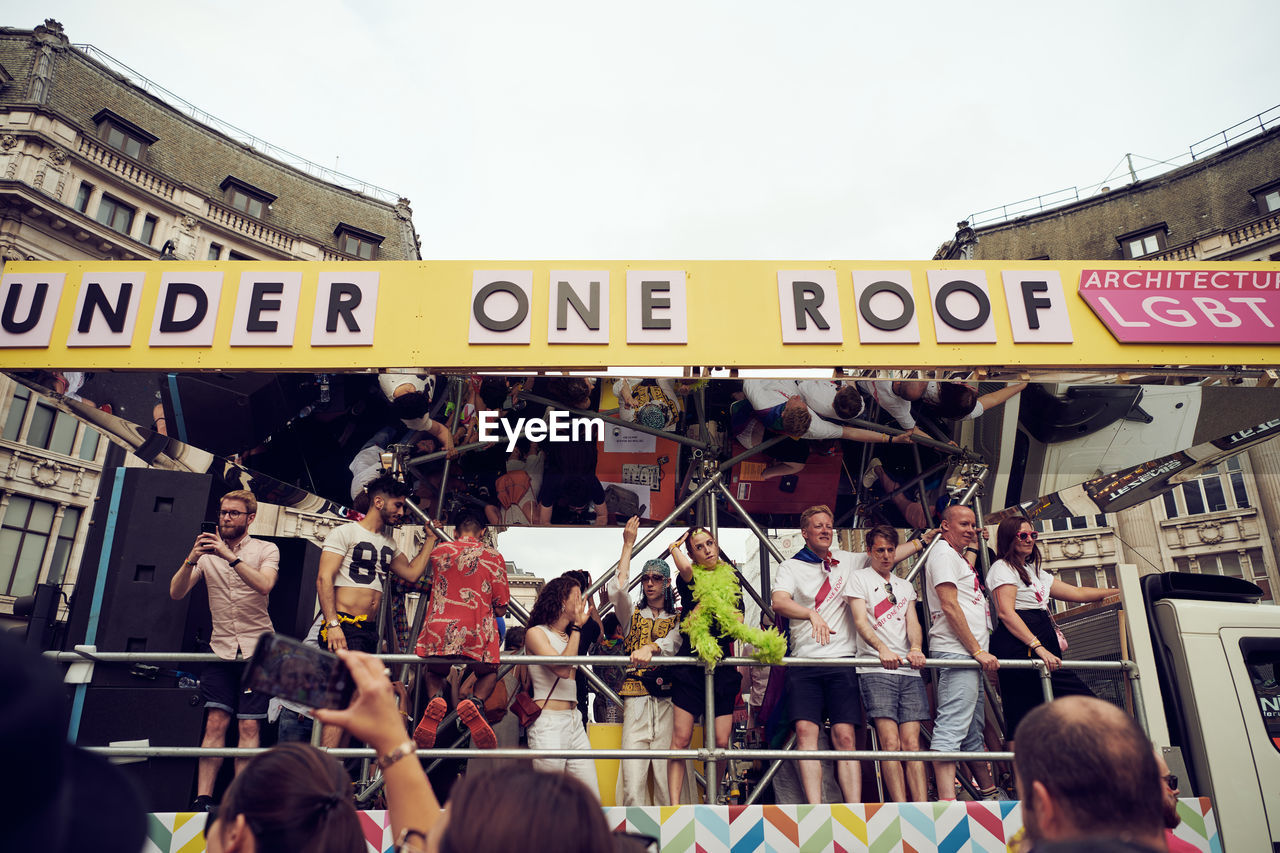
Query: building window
{"points": [[49, 429], [1267, 197], [237, 256], [1218, 489], [246, 198], [357, 242], [24, 536], [215, 251], [115, 214], [1147, 241], [1075, 522], [123, 135], [148, 229], [82, 197]]}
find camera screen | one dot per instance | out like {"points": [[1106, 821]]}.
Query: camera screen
{"points": [[297, 673]]}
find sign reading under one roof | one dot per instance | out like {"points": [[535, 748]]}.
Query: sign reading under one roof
{"points": [[592, 315]]}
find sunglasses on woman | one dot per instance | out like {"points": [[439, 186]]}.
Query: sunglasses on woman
{"points": [[1026, 536]]}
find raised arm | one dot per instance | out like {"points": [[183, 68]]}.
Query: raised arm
{"points": [[412, 570], [684, 565], [620, 582], [374, 718], [994, 398], [915, 546], [537, 644], [1082, 594]]}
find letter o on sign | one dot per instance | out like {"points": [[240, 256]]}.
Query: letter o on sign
{"points": [[517, 317], [975, 322], [894, 323]]}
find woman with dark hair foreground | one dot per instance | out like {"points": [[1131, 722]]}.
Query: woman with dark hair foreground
{"points": [[520, 809], [1022, 590], [290, 799]]}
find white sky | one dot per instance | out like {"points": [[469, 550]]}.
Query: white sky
{"points": [[683, 130]]}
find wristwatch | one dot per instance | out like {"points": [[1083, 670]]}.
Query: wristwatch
{"points": [[333, 623], [234, 563]]}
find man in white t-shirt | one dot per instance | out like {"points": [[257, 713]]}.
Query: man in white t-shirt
{"points": [[809, 590], [881, 604], [959, 629]]}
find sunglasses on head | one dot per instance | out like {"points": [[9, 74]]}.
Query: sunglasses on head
{"points": [[1028, 536]]}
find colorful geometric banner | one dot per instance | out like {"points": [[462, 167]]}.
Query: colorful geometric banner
{"points": [[959, 827]]}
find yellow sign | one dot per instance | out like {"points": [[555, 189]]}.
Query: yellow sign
{"points": [[590, 315]]}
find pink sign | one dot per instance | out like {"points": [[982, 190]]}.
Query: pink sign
{"points": [[1203, 306]]}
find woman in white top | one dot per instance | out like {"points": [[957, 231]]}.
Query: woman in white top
{"points": [[555, 628], [1022, 591]]}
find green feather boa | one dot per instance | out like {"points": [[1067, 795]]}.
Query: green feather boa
{"points": [[716, 592]]}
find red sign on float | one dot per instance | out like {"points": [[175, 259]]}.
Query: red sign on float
{"points": [[1185, 306]]}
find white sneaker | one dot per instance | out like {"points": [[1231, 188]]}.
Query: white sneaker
{"points": [[869, 477]]}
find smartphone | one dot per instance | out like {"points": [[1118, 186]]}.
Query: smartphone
{"points": [[208, 527], [308, 675]]}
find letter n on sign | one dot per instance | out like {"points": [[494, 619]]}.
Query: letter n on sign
{"points": [[500, 301], [810, 306]]}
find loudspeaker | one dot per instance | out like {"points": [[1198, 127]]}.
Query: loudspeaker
{"points": [[292, 603], [162, 716], [144, 523], [228, 413]]}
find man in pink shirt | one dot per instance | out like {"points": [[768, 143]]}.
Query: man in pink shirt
{"points": [[239, 572]]}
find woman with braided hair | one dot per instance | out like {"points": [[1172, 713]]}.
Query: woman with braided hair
{"points": [[290, 799], [711, 619]]}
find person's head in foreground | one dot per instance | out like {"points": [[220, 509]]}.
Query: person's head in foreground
{"points": [[290, 799], [1086, 773]]}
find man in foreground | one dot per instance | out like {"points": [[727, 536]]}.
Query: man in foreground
{"points": [[1088, 779], [239, 572]]}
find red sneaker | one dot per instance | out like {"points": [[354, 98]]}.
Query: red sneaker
{"points": [[481, 735], [425, 734]]}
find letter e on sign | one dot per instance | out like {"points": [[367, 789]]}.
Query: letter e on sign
{"points": [[266, 309], [106, 309], [657, 311], [961, 305], [28, 305], [187, 309], [810, 306], [886, 308], [579, 307], [1037, 307], [346, 307], [500, 301]]}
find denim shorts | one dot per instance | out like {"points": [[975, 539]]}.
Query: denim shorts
{"points": [[815, 693], [221, 689], [960, 709], [900, 698]]}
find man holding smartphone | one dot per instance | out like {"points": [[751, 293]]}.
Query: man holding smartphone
{"points": [[354, 565], [239, 572]]}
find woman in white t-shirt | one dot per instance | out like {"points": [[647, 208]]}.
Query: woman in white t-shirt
{"points": [[1022, 591]]}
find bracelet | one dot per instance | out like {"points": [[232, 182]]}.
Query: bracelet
{"points": [[974, 655], [572, 627], [1034, 644], [914, 649], [404, 845], [406, 748]]}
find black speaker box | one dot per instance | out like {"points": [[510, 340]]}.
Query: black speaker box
{"points": [[162, 716], [145, 531], [292, 604], [228, 413]]}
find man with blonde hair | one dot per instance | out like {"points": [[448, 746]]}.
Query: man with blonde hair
{"points": [[239, 572]]}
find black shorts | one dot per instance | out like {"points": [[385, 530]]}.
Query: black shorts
{"points": [[788, 450], [361, 637], [688, 689], [221, 689], [817, 693]]}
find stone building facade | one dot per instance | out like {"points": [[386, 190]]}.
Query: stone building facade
{"points": [[95, 166], [1224, 206]]}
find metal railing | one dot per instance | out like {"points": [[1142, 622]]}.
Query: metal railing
{"points": [[710, 754]]}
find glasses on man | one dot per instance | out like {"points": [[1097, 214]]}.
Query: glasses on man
{"points": [[1172, 781], [1028, 536], [893, 599], [231, 513], [654, 578]]}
